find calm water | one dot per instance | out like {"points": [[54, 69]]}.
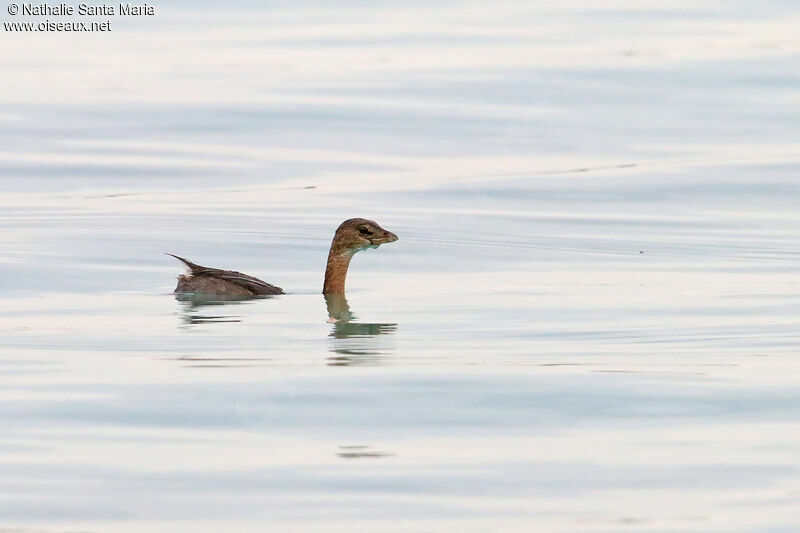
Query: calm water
{"points": [[589, 323]]}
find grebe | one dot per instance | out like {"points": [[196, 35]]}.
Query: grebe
{"points": [[351, 236]]}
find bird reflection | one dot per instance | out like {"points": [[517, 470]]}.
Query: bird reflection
{"points": [[354, 343], [198, 308]]}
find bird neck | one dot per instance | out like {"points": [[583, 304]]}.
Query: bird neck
{"points": [[336, 272]]}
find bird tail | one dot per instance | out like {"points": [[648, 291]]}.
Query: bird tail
{"points": [[192, 266]]}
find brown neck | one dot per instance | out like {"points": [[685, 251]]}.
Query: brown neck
{"points": [[336, 272]]}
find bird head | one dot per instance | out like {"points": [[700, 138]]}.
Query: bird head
{"points": [[356, 234]]}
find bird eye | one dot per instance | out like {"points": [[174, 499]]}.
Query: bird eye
{"points": [[364, 230]]}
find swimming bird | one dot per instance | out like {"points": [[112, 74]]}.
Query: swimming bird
{"points": [[352, 236]]}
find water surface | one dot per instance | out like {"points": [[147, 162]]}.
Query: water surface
{"points": [[589, 322]]}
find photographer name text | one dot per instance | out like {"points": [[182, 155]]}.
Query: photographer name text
{"points": [[63, 9]]}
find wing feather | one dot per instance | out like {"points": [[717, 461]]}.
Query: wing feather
{"points": [[253, 284]]}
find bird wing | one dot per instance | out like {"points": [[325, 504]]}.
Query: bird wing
{"points": [[253, 284]]}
